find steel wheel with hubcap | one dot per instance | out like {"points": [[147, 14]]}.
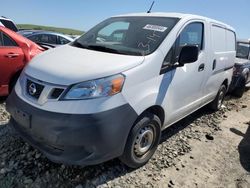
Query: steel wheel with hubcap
{"points": [[216, 104], [142, 141]]}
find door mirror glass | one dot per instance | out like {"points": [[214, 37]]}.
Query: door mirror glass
{"points": [[188, 54]]}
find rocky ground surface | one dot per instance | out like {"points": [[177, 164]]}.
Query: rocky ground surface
{"points": [[205, 149]]}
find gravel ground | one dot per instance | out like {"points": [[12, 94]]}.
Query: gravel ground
{"points": [[23, 166]]}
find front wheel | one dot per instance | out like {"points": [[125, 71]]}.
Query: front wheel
{"points": [[142, 141], [218, 101]]}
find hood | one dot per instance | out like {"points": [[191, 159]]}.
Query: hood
{"points": [[240, 61], [69, 65]]}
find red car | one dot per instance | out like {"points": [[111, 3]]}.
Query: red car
{"points": [[15, 52]]}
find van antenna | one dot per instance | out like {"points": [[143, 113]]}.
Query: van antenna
{"points": [[149, 11]]}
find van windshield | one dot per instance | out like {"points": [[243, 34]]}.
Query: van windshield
{"points": [[243, 50], [127, 35]]}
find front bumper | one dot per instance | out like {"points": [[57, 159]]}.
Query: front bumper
{"points": [[74, 139]]}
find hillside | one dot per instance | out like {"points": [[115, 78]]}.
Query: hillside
{"points": [[49, 28]]}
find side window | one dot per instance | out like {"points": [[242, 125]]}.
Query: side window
{"points": [[52, 39], [44, 38], [63, 40], [34, 38], [47, 38], [7, 41], [1, 39], [192, 34]]}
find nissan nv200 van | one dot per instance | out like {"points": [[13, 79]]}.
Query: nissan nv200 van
{"points": [[112, 91]]}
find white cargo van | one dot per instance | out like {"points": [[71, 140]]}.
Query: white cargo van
{"points": [[112, 91]]}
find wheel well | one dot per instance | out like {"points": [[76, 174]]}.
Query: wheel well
{"points": [[225, 83], [157, 110]]}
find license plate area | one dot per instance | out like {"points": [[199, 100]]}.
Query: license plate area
{"points": [[23, 118]]}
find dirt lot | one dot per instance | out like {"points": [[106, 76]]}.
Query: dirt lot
{"points": [[204, 150]]}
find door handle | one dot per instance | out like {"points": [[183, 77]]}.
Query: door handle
{"points": [[201, 67], [11, 55], [214, 64]]}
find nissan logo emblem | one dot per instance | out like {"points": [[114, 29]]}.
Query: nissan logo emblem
{"points": [[32, 89]]}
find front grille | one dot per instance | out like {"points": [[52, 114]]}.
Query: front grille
{"points": [[34, 89], [56, 93]]}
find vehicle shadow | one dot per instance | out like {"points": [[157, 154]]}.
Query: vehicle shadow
{"points": [[182, 124], [244, 147], [2, 99]]}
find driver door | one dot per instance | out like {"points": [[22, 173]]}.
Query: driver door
{"points": [[185, 91]]}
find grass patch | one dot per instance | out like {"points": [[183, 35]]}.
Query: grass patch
{"points": [[49, 28]]}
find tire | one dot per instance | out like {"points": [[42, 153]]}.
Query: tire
{"points": [[240, 89], [217, 102], [142, 141]]}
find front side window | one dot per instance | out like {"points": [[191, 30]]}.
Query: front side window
{"points": [[192, 34], [243, 50], [1, 38], [47, 38], [34, 38], [43, 38], [127, 35]]}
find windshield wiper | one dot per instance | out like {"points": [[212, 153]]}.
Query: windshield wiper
{"points": [[112, 50], [104, 49], [96, 47]]}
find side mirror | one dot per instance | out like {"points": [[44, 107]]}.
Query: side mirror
{"points": [[188, 54]]}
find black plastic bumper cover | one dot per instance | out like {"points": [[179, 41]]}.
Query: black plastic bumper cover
{"points": [[73, 139], [237, 82]]}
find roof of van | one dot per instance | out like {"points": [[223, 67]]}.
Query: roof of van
{"points": [[178, 15]]}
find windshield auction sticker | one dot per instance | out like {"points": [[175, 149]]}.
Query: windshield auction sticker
{"points": [[155, 28]]}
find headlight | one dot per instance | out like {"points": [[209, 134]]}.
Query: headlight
{"points": [[96, 88]]}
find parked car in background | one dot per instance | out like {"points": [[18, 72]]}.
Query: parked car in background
{"points": [[15, 52], [241, 74], [51, 39], [112, 91], [8, 23]]}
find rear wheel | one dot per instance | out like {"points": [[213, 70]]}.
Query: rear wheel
{"points": [[142, 141], [218, 101]]}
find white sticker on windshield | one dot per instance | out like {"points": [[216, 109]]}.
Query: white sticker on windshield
{"points": [[155, 28]]}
